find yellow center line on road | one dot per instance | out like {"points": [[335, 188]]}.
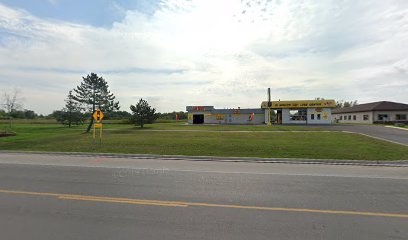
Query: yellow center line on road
{"points": [[198, 204], [130, 201]]}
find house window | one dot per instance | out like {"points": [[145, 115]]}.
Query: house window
{"points": [[349, 117], [400, 117], [312, 116], [382, 117], [354, 117], [318, 116], [341, 117], [365, 117]]}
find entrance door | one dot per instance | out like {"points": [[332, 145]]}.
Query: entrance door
{"points": [[279, 116], [198, 118]]}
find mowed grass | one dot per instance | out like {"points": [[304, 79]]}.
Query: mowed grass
{"points": [[172, 125], [121, 138], [216, 127]]}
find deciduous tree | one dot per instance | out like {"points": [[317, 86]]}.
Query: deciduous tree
{"points": [[12, 102]]}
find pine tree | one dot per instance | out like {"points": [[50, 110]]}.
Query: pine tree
{"points": [[143, 112], [71, 114], [94, 93]]}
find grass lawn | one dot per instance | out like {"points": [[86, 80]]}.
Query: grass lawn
{"points": [[173, 125], [122, 138]]}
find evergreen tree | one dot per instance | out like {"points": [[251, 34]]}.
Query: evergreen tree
{"points": [[143, 113], [71, 114], [93, 93]]}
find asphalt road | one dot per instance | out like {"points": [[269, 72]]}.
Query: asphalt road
{"points": [[72, 197], [391, 134]]}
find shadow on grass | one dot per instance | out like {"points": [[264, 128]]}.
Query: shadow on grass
{"points": [[7, 134]]}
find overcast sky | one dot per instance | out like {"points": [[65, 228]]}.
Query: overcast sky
{"points": [[206, 52]]}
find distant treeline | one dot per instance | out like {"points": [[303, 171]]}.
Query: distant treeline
{"points": [[116, 115], [19, 114]]}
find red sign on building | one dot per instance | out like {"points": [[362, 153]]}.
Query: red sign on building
{"points": [[198, 108]]}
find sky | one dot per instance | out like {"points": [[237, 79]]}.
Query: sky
{"points": [[222, 53]]}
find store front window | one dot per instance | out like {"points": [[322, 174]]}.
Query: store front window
{"points": [[297, 115]]}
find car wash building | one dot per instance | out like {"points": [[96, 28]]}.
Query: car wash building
{"points": [[286, 112], [300, 111], [210, 115]]}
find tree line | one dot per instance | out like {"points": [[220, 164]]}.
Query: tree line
{"points": [[93, 93], [342, 103], [82, 101]]}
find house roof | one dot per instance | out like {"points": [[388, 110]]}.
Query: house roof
{"points": [[374, 106]]}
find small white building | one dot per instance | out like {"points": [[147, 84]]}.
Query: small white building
{"points": [[301, 111], [210, 115], [375, 112]]}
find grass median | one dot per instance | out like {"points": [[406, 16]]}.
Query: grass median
{"points": [[121, 138]]}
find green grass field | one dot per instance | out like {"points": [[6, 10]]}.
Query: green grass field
{"points": [[172, 125], [122, 138]]}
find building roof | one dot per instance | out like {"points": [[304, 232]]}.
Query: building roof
{"points": [[374, 106]]}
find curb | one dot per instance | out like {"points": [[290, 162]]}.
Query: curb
{"points": [[401, 128], [380, 163]]}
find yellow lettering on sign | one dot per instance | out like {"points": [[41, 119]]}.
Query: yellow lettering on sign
{"points": [[301, 104], [219, 117]]}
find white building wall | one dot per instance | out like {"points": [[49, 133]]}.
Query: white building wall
{"points": [[285, 116], [391, 115], [233, 119], [313, 116], [325, 116], [266, 115], [360, 117]]}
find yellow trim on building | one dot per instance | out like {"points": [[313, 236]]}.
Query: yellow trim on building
{"points": [[301, 104]]}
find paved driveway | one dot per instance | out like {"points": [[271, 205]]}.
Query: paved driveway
{"points": [[391, 134]]}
